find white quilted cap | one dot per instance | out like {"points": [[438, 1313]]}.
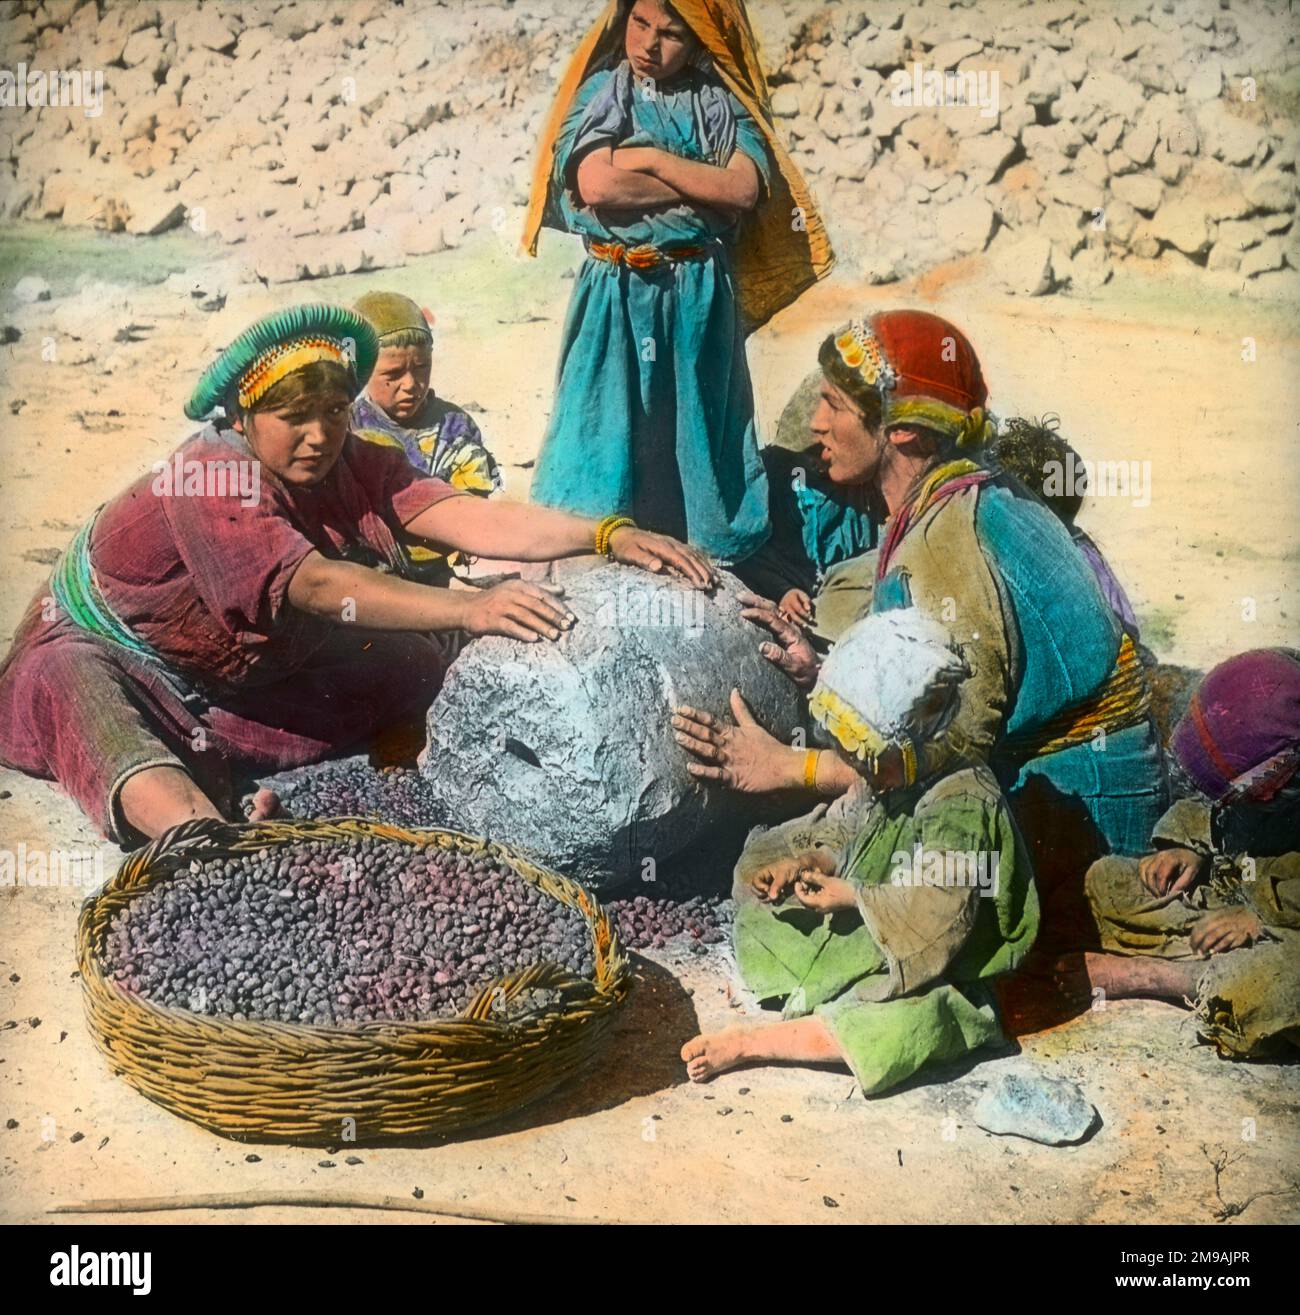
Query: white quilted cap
{"points": [[891, 676]]}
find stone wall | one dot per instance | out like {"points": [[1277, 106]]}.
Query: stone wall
{"points": [[339, 135]]}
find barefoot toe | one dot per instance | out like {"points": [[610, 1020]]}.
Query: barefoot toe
{"points": [[266, 804], [1070, 976]]}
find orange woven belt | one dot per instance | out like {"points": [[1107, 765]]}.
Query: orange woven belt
{"points": [[1123, 701], [645, 256]]}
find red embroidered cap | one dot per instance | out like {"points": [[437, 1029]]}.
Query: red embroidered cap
{"points": [[925, 370]]}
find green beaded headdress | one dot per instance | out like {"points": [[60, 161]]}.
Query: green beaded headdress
{"points": [[279, 344]]}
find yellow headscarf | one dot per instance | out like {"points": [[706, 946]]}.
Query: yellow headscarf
{"points": [[776, 260]]}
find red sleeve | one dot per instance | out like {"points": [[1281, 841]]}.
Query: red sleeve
{"points": [[240, 557], [390, 481]]}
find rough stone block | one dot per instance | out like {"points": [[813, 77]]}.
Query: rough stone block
{"points": [[566, 749], [1024, 264]]}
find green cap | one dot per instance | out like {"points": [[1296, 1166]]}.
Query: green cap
{"points": [[390, 312], [276, 346]]}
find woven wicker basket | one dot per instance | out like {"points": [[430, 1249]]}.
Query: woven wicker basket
{"points": [[271, 1081]]}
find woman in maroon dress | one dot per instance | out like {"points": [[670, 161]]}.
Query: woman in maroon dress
{"points": [[242, 609]]}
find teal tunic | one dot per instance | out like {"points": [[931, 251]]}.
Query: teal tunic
{"points": [[1056, 640], [654, 409], [832, 528], [1068, 636], [815, 526]]}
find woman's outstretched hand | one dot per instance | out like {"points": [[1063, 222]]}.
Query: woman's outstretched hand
{"points": [[659, 553], [519, 610], [792, 652], [742, 757]]}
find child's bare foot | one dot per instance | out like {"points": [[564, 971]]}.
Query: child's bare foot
{"points": [[158, 798], [1079, 977], [796, 1040], [707, 1056], [264, 806]]}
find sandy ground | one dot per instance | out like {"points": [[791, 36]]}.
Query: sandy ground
{"points": [[1145, 372]]}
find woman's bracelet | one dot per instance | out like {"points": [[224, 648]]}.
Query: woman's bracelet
{"points": [[606, 528], [810, 768]]}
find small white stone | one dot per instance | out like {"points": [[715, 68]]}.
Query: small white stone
{"points": [[31, 288]]}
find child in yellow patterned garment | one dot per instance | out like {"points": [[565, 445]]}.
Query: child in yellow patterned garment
{"points": [[399, 409]]}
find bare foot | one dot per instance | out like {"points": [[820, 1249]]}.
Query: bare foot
{"points": [[158, 798], [796, 1040], [707, 1056], [1079, 977], [264, 806]]}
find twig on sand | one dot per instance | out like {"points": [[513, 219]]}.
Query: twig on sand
{"points": [[304, 1200], [1231, 1209]]}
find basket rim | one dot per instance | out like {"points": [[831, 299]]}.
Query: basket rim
{"points": [[141, 869]]}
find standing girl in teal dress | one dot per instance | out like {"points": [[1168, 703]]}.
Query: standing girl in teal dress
{"points": [[661, 157]]}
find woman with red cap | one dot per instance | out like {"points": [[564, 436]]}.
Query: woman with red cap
{"points": [[1213, 915], [1056, 700]]}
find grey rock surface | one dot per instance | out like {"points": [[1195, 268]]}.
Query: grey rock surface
{"points": [[793, 430], [1049, 1110], [566, 749]]}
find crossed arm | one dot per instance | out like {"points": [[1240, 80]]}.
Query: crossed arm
{"points": [[632, 177]]}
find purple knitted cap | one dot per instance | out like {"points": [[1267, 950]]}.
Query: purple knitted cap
{"points": [[1243, 722]]}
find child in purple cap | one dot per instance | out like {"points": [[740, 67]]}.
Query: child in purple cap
{"points": [[1213, 915]]}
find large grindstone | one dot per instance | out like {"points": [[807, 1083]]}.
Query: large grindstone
{"points": [[566, 749]]}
